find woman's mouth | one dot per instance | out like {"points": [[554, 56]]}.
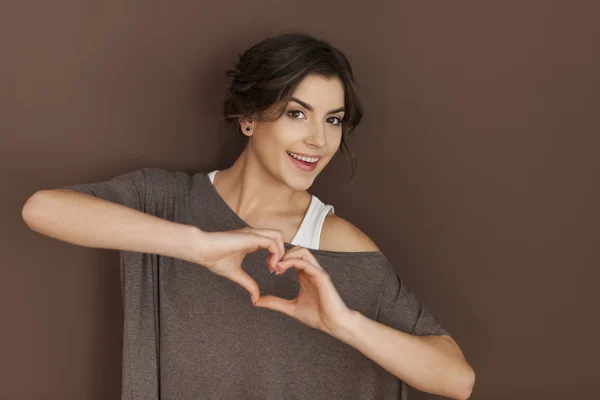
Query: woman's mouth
{"points": [[304, 163]]}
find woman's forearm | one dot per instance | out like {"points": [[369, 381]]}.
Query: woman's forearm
{"points": [[432, 364], [89, 221]]}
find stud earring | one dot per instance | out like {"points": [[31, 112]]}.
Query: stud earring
{"points": [[248, 129]]}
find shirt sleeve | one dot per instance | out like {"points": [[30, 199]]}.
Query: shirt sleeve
{"points": [[128, 189], [402, 309], [150, 190]]}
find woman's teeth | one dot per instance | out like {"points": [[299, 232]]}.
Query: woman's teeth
{"points": [[302, 158]]}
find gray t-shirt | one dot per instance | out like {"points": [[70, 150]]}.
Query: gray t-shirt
{"points": [[192, 334]]}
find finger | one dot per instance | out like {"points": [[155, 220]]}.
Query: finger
{"points": [[278, 304], [300, 264], [302, 253], [257, 242], [244, 280], [294, 252], [277, 236]]}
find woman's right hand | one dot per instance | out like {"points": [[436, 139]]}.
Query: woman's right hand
{"points": [[223, 253]]}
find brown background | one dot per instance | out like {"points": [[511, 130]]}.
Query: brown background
{"points": [[478, 168]]}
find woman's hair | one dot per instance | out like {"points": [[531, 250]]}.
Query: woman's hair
{"points": [[268, 73]]}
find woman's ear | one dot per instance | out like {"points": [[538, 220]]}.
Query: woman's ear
{"points": [[247, 127]]}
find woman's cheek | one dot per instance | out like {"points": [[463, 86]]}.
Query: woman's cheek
{"points": [[336, 138]]}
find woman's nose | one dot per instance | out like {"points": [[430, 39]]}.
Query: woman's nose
{"points": [[317, 135]]}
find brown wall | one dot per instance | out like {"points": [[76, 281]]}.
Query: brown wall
{"points": [[479, 168]]}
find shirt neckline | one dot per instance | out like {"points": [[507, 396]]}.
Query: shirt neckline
{"points": [[244, 224]]}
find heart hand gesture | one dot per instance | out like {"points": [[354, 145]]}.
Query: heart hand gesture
{"points": [[223, 253], [318, 304]]}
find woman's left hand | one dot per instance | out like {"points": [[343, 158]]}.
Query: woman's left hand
{"points": [[318, 304]]}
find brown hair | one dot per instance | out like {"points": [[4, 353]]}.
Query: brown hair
{"points": [[267, 73]]}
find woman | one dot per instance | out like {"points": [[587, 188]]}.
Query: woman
{"points": [[329, 318]]}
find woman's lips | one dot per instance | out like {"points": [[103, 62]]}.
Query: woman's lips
{"points": [[304, 166]]}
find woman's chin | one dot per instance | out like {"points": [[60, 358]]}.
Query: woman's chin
{"points": [[301, 183]]}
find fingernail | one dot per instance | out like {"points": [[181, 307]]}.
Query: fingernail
{"points": [[253, 300]]}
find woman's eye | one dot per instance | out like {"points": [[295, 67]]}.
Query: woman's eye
{"points": [[335, 121], [295, 114]]}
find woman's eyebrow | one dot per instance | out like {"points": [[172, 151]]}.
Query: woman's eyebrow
{"points": [[310, 108]]}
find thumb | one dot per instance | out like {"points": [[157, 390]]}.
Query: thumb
{"points": [[277, 304], [246, 281]]}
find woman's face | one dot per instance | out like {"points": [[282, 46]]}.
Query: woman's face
{"points": [[309, 127]]}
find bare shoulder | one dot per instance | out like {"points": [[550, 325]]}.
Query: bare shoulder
{"points": [[339, 234]]}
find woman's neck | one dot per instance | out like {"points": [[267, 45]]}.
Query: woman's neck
{"points": [[255, 195]]}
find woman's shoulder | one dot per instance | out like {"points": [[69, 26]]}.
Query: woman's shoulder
{"points": [[339, 234]]}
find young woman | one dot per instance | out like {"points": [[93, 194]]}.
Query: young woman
{"points": [[329, 317]]}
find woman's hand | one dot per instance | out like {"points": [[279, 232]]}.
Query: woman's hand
{"points": [[223, 252], [318, 304]]}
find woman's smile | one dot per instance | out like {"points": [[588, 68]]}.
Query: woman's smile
{"points": [[307, 164]]}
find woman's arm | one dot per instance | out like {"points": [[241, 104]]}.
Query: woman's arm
{"points": [[433, 364], [89, 221]]}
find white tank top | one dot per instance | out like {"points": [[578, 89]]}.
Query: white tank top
{"points": [[309, 233]]}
